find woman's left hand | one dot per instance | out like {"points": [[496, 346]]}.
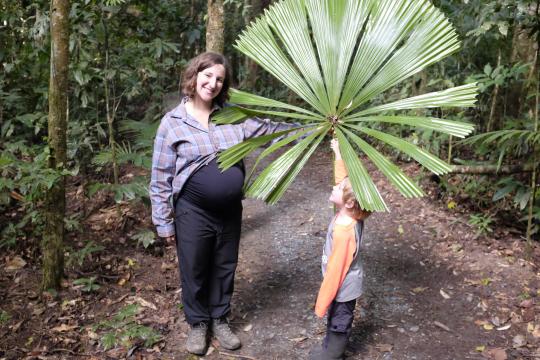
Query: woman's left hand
{"points": [[170, 240]]}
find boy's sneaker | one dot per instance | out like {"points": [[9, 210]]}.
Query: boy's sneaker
{"points": [[197, 339], [224, 334]]}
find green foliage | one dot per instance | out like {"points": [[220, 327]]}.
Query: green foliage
{"points": [[123, 329], [4, 317], [148, 44], [337, 84], [501, 75], [535, 217], [27, 178], [482, 223], [88, 284], [519, 143], [509, 185], [144, 56], [523, 144], [135, 190], [462, 187], [124, 155], [9, 235], [72, 223], [145, 237], [79, 256]]}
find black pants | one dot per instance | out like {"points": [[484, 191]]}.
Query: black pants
{"points": [[340, 319], [207, 248]]}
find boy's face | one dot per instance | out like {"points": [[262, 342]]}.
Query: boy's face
{"points": [[336, 196]]}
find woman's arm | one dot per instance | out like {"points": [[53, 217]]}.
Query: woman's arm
{"points": [[254, 127], [163, 171]]}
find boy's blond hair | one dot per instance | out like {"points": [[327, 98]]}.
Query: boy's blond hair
{"points": [[348, 195]]}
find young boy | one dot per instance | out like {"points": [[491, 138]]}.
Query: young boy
{"points": [[341, 265]]}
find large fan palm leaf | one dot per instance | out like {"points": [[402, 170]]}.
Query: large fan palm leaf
{"points": [[338, 55]]}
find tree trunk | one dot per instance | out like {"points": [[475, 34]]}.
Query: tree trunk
{"points": [[530, 245], [254, 8], [490, 124], [215, 28], [55, 202], [110, 108]]}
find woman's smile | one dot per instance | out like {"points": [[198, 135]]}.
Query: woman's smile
{"points": [[210, 82]]}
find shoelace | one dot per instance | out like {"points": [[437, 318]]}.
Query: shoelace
{"points": [[201, 326], [224, 326]]}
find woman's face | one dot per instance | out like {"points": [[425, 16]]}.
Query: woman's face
{"points": [[210, 82]]}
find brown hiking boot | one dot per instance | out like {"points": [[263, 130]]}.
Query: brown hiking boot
{"points": [[197, 339], [224, 334]]}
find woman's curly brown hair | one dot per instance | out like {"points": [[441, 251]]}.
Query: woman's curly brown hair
{"points": [[198, 64]]}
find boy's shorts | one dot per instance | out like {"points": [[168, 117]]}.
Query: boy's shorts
{"points": [[341, 316]]}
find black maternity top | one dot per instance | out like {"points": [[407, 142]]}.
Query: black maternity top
{"points": [[211, 189]]}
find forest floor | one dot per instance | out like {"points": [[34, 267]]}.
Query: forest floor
{"points": [[433, 288]]}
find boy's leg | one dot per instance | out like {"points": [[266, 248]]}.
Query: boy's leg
{"points": [[339, 328], [341, 316]]}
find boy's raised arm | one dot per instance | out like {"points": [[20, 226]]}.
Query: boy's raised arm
{"points": [[340, 171]]}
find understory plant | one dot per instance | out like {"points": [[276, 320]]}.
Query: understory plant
{"points": [[123, 330], [339, 57]]}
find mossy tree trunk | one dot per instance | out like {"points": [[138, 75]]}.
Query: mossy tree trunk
{"points": [[55, 203], [215, 27], [534, 176]]}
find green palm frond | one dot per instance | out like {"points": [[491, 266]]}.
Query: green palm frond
{"points": [[337, 56], [454, 128], [505, 138], [244, 98], [502, 142], [244, 148], [433, 163], [463, 96], [269, 185], [407, 187], [279, 144], [363, 186]]}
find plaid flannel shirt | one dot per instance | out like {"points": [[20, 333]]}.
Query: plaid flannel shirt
{"points": [[182, 145]]}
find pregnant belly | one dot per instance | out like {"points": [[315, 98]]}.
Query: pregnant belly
{"points": [[212, 189]]}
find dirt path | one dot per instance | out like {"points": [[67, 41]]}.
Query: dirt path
{"points": [[432, 291], [427, 281]]}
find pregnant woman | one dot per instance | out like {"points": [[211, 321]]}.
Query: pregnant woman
{"points": [[195, 204]]}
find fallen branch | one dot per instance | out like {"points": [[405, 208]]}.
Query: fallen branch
{"points": [[442, 326], [108, 277], [15, 195], [237, 355], [68, 351], [491, 169]]}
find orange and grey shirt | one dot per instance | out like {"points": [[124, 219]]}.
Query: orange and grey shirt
{"points": [[341, 264]]}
